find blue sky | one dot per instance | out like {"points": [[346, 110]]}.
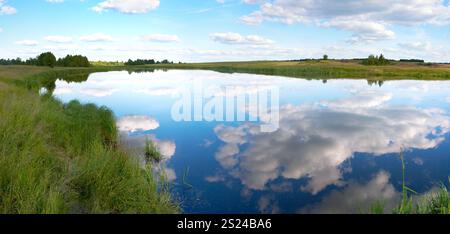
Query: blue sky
{"points": [[218, 30]]}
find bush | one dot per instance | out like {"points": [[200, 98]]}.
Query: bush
{"points": [[373, 60], [146, 62]]}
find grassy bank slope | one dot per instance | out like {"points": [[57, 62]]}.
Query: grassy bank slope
{"points": [[324, 69], [64, 158]]}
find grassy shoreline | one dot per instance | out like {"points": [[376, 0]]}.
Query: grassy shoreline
{"points": [[65, 158]]}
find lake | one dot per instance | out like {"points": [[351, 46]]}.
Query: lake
{"points": [[331, 146]]}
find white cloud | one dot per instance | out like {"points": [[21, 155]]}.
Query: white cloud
{"points": [[418, 161], [167, 148], [268, 205], [314, 140], [236, 38], [6, 9], [161, 38], [27, 43], [215, 178], [367, 19], [129, 6], [98, 92], [364, 31], [62, 90], [96, 37], [135, 123], [357, 198], [59, 39], [163, 91], [416, 45], [170, 174]]}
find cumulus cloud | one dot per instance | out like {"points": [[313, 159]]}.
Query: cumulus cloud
{"points": [[161, 38], [314, 140], [27, 43], [58, 39], [98, 92], [6, 9], [134, 123], [363, 31], [166, 148], [162, 91], [236, 38], [368, 20], [128, 7], [215, 178], [356, 198], [268, 205], [416, 45], [96, 37]]}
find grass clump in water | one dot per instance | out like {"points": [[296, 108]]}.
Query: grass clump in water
{"points": [[64, 158], [151, 153], [436, 202]]}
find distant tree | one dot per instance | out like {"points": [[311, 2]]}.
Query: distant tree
{"points": [[73, 61], [46, 59], [138, 62], [382, 60], [375, 60], [325, 57], [18, 61]]}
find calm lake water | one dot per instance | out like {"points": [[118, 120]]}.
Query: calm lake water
{"points": [[335, 150]]}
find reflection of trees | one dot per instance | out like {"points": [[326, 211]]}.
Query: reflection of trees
{"points": [[375, 82], [48, 80], [140, 70]]}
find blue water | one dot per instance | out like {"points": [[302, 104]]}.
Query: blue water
{"points": [[336, 149]]}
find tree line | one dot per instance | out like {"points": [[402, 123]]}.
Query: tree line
{"points": [[49, 59], [146, 62]]}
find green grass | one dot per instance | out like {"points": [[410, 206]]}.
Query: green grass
{"points": [[65, 158], [435, 202], [152, 155]]}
